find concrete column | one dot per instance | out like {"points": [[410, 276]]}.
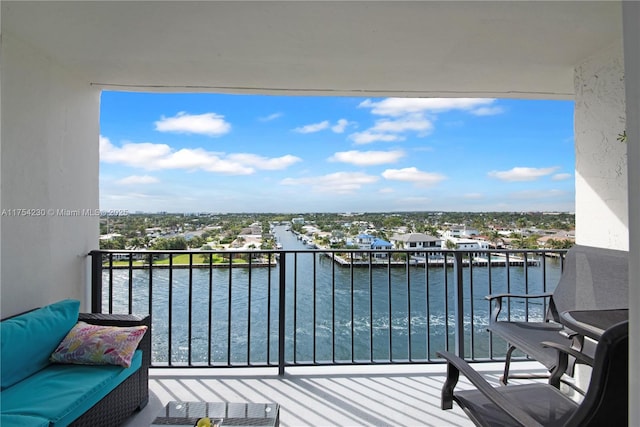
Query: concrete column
{"points": [[601, 159], [631, 34], [49, 173]]}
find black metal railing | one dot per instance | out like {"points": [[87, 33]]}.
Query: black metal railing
{"points": [[284, 308]]}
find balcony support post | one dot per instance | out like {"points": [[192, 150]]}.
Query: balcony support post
{"points": [[96, 281], [458, 305], [281, 312]]}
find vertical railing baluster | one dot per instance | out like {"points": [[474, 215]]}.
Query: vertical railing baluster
{"points": [[544, 283], [352, 317], [389, 309], [526, 285], [508, 267], [229, 308], [459, 305], [408, 272], [130, 283], [371, 309], [281, 313], [190, 311], [445, 267], [151, 288], [249, 312], [314, 307], [427, 308], [269, 257], [333, 308], [210, 309], [471, 308], [110, 283], [169, 346], [295, 308], [490, 278], [96, 281]]}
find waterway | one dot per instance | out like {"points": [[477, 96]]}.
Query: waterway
{"points": [[354, 314]]}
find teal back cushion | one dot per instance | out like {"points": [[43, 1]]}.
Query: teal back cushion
{"points": [[28, 340]]}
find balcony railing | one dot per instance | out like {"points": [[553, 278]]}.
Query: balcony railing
{"points": [[320, 307]]}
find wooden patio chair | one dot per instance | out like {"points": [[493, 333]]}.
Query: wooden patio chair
{"points": [[540, 404], [592, 279]]}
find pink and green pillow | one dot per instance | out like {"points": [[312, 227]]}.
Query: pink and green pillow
{"points": [[88, 344]]}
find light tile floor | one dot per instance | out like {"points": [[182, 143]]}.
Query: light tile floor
{"points": [[324, 396]]}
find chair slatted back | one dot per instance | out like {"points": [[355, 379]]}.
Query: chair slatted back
{"points": [[606, 402], [592, 279]]}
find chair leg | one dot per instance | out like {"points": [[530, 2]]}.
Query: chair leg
{"points": [[453, 373], [559, 370], [505, 377]]}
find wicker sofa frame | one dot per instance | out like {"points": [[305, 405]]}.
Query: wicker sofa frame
{"points": [[132, 394]]}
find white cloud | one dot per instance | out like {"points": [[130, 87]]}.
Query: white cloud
{"points": [[337, 183], [139, 155], [340, 126], [386, 190], [412, 122], [270, 117], [487, 111], [561, 176], [315, 127], [396, 107], [367, 158], [405, 115], [413, 175], [368, 137], [260, 162], [194, 159], [522, 173], [138, 179], [210, 124], [151, 156]]}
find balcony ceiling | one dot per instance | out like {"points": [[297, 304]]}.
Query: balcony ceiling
{"points": [[477, 48]]}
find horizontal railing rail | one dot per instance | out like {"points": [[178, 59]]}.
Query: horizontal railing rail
{"points": [[281, 308]]}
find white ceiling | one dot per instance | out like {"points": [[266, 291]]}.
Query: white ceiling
{"points": [[454, 48]]}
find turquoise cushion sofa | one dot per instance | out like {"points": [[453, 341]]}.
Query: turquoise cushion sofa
{"points": [[35, 392]]}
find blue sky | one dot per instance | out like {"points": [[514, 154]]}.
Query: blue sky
{"points": [[257, 153]]}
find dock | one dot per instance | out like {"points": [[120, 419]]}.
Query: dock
{"points": [[496, 261]]}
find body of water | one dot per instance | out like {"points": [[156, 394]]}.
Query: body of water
{"points": [[362, 314]]}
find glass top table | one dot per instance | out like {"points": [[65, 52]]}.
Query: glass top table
{"points": [[220, 413]]}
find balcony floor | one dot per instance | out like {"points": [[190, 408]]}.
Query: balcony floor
{"points": [[407, 395]]}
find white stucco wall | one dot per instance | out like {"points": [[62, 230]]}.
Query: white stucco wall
{"points": [[50, 128], [601, 160]]}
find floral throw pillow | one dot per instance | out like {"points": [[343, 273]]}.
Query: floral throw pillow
{"points": [[87, 344]]}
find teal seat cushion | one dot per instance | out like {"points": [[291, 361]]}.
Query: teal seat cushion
{"points": [[22, 421], [62, 393], [27, 341]]}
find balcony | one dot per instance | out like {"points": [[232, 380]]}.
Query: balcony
{"points": [[325, 333], [324, 396]]}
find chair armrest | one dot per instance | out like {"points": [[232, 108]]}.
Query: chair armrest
{"points": [[497, 302], [542, 295], [568, 333], [124, 320], [455, 365], [570, 351]]}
